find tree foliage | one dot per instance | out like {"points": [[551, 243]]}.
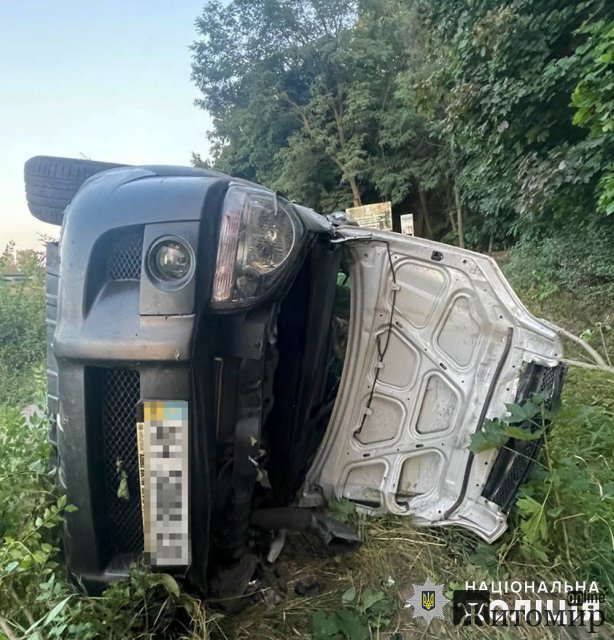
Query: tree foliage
{"points": [[594, 99], [490, 120]]}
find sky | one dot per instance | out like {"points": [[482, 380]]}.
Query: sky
{"points": [[107, 80]]}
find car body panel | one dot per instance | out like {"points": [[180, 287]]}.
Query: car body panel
{"points": [[438, 342]]}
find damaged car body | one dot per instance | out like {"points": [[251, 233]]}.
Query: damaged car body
{"points": [[221, 359]]}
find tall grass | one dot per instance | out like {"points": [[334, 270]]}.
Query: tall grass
{"points": [[22, 339], [37, 600]]}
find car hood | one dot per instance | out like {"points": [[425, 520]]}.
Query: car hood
{"points": [[439, 343]]}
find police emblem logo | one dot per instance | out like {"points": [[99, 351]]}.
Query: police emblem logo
{"points": [[428, 600]]}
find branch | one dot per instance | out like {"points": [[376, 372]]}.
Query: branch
{"points": [[297, 107], [587, 365], [4, 625], [338, 115], [595, 355], [338, 163]]}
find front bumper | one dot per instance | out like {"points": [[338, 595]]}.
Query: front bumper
{"points": [[117, 342], [120, 342]]}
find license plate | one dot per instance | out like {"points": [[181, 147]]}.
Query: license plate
{"points": [[163, 467]]}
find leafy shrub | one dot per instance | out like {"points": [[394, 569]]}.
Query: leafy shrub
{"points": [[567, 509], [576, 259], [360, 616], [594, 98], [22, 335], [563, 522]]}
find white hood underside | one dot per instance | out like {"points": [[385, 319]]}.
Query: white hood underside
{"points": [[458, 339]]}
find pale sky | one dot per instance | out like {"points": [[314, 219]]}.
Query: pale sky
{"points": [[109, 80]]}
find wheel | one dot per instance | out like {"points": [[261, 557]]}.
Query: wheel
{"points": [[51, 183]]}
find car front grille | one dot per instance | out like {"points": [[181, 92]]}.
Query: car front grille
{"points": [[515, 459], [125, 256], [514, 474], [121, 395]]}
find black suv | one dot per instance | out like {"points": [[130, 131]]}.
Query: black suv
{"points": [[224, 361]]}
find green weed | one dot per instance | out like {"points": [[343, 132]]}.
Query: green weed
{"points": [[361, 616]]}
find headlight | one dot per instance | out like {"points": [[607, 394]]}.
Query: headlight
{"points": [[257, 234], [170, 262]]}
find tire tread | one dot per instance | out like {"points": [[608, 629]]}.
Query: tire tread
{"points": [[51, 183]]}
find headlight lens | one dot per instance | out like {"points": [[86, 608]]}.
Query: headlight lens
{"points": [[170, 262], [257, 235]]}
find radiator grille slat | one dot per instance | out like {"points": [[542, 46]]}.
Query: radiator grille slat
{"points": [[121, 395]]}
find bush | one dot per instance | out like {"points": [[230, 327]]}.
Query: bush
{"points": [[571, 259], [567, 509], [22, 334]]}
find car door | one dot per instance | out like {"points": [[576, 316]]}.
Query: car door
{"points": [[438, 344]]}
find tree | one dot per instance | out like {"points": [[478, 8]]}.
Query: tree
{"points": [[460, 111], [506, 74], [254, 62], [297, 90], [593, 97]]}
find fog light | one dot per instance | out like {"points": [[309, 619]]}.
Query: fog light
{"points": [[170, 261]]}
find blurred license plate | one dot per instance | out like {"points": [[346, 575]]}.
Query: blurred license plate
{"points": [[163, 467]]}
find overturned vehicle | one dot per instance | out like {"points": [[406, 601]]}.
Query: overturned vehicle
{"points": [[222, 360]]}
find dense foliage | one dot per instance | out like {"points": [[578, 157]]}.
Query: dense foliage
{"points": [[491, 121], [22, 325]]}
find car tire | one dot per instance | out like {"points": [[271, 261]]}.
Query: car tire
{"points": [[51, 183]]}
